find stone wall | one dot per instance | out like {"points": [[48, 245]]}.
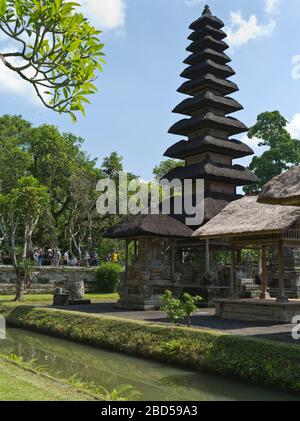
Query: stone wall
{"points": [[47, 278]]}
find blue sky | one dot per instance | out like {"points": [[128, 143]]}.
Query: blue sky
{"points": [[145, 43]]}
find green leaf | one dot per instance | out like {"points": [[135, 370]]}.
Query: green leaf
{"points": [[2, 7]]}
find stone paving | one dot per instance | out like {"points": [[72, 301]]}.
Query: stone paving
{"points": [[204, 318]]}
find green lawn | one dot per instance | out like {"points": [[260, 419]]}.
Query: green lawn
{"points": [[47, 298], [19, 384]]}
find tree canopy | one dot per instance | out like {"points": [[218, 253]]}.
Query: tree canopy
{"points": [[165, 166], [54, 48], [283, 152], [58, 162]]}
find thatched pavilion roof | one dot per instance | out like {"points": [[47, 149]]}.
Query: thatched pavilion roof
{"points": [[283, 189], [160, 225], [247, 216]]}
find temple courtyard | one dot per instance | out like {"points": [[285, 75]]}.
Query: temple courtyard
{"points": [[204, 318]]}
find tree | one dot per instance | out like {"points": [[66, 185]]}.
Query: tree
{"points": [[173, 307], [14, 161], [190, 305], [112, 165], [55, 49], [165, 166], [83, 214], [51, 157], [20, 210], [177, 309], [55, 157], [283, 152], [56, 160]]}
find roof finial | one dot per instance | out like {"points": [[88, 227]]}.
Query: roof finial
{"points": [[206, 10]]}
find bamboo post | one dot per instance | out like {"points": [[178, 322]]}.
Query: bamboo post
{"points": [[264, 274], [282, 298]]}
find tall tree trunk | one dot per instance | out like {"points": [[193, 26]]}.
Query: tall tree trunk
{"points": [[20, 279], [20, 285], [20, 273]]}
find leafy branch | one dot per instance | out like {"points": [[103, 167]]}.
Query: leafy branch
{"points": [[55, 49]]}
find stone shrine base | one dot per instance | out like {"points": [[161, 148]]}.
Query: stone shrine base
{"points": [[257, 310], [63, 299]]}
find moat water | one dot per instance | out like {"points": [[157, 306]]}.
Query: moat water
{"points": [[154, 381]]}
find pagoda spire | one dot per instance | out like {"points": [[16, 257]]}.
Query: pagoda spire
{"points": [[206, 10], [209, 149]]}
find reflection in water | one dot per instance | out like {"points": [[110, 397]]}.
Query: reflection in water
{"points": [[155, 381]]}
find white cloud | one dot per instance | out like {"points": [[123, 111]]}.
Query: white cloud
{"points": [[293, 126], [296, 68], [14, 85], [254, 144], [11, 83], [240, 30], [272, 6], [106, 14]]}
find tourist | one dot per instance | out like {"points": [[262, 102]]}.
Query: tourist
{"points": [[74, 261], [86, 258], [50, 257], [95, 259], [40, 257], [115, 258], [36, 256], [66, 258], [57, 257]]}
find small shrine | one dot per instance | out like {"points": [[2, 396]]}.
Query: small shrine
{"points": [[152, 269]]}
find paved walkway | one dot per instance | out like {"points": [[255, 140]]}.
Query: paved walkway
{"points": [[203, 318]]}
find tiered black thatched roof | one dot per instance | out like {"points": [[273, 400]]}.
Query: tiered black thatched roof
{"points": [[232, 147], [208, 127], [209, 105], [208, 169]]}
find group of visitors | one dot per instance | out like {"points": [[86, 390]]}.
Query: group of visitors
{"points": [[54, 257], [50, 258]]}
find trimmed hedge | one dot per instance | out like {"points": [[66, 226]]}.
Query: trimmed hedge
{"points": [[108, 277], [260, 361]]}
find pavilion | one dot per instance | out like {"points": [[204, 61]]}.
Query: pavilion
{"points": [[246, 223], [152, 270], [283, 189]]}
